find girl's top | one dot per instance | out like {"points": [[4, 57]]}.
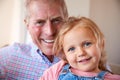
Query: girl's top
{"points": [[54, 73], [66, 74]]}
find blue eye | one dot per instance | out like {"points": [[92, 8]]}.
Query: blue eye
{"points": [[87, 44], [71, 49]]}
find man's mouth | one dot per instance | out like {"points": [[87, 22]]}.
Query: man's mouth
{"points": [[48, 41]]}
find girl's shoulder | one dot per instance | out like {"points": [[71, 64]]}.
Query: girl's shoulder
{"points": [[53, 71], [56, 67], [110, 76]]}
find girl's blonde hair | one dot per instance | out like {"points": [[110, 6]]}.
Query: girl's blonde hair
{"points": [[80, 22]]}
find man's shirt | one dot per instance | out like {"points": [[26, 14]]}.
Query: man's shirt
{"points": [[23, 62]]}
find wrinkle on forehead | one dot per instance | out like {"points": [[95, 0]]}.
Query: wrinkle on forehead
{"points": [[45, 2], [51, 9], [50, 3]]}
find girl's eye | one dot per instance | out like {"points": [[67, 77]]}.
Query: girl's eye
{"points": [[71, 49], [87, 44]]}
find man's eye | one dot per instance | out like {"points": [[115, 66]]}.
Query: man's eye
{"points": [[40, 23], [56, 21], [71, 49], [87, 44]]}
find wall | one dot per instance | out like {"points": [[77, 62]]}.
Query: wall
{"points": [[106, 13], [78, 7], [12, 28], [18, 31], [6, 8]]}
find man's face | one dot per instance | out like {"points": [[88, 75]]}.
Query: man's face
{"points": [[44, 22]]}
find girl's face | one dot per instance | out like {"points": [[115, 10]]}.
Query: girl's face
{"points": [[81, 49]]}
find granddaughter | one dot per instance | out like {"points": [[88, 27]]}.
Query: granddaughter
{"points": [[80, 44]]}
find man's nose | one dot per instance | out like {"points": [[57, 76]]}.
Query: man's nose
{"points": [[50, 29]]}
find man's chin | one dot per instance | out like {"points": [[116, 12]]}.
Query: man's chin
{"points": [[48, 52]]}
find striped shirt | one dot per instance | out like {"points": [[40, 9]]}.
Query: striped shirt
{"points": [[23, 62]]}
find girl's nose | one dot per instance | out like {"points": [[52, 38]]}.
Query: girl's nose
{"points": [[81, 52]]}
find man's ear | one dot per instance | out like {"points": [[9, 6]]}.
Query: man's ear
{"points": [[26, 23]]}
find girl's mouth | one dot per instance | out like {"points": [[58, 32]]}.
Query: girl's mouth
{"points": [[85, 60]]}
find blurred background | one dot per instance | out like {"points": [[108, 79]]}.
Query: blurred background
{"points": [[106, 13]]}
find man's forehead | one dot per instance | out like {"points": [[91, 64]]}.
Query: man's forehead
{"points": [[46, 2], [46, 6]]}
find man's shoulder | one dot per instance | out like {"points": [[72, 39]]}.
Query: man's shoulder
{"points": [[22, 46], [16, 47]]}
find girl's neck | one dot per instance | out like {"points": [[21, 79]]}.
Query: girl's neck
{"points": [[84, 73]]}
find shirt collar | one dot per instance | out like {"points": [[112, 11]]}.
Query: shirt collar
{"points": [[37, 53]]}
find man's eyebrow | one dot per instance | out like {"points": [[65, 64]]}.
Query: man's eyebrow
{"points": [[39, 20], [57, 18]]}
